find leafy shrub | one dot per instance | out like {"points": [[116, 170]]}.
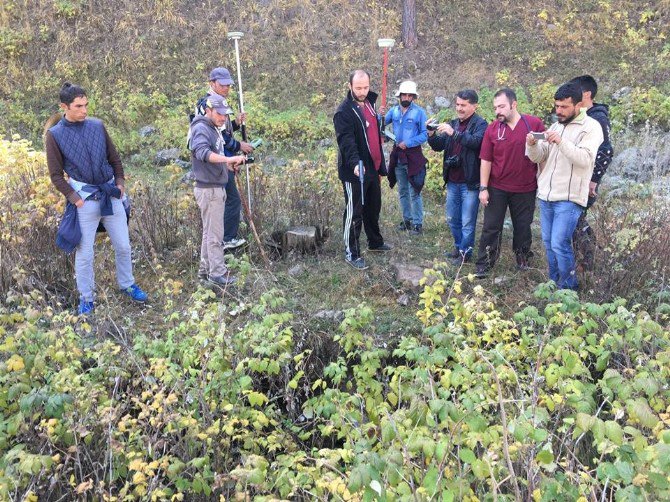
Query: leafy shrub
{"points": [[564, 399]]}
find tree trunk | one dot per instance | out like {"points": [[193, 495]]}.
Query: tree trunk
{"points": [[409, 37]]}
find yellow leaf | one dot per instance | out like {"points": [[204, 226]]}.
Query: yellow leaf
{"points": [[15, 363]]}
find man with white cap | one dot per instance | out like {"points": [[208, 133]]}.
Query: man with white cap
{"points": [[220, 82], [407, 165]]}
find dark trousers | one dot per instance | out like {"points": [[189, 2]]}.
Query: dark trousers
{"points": [[584, 240], [521, 209], [231, 216], [357, 215]]}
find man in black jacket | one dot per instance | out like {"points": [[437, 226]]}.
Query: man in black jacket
{"points": [[584, 238], [358, 131], [461, 140]]}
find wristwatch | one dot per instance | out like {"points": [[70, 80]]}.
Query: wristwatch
{"points": [[482, 188]]}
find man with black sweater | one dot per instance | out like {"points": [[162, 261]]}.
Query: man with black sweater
{"points": [[461, 141], [358, 131], [584, 238]]}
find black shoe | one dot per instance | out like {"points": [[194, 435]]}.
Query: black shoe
{"points": [[453, 254], [381, 249], [404, 225], [482, 272], [417, 230], [460, 260], [222, 280], [522, 262], [357, 263]]}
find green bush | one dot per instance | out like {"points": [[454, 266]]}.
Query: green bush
{"points": [[562, 400]]}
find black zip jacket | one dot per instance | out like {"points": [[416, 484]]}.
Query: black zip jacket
{"points": [[601, 113], [471, 143], [352, 140]]}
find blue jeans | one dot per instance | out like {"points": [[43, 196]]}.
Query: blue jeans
{"points": [[116, 226], [559, 220], [411, 202], [461, 210]]}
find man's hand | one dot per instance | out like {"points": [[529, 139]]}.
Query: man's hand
{"points": [[531, 140], [445, 128], [592, 188], [402, 145], [382, 111], [356, 172], [484, 198], [431, 132], [241, 118], [79, 203], [235, 160], [246, 147], [553, 137], [123, 190]]}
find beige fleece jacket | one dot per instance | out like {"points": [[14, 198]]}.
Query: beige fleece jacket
{"points": [[566, 168]]}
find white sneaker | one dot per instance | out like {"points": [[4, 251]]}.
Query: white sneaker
{"points": [[234, 243]]}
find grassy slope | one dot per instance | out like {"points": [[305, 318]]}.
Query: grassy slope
{"points": [[299, 52]]}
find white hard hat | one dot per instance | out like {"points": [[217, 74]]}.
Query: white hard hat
{"points": [[407, 87]]}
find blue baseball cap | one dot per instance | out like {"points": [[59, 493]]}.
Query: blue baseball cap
{"points": [[221, 75], [219, 104]]}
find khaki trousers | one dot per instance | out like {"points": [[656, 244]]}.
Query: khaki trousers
{"points": [[211, 202]]}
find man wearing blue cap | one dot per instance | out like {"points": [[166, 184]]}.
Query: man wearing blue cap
{"points": [[210, 169], [220, 83]]}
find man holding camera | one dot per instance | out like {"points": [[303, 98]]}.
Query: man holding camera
{"points": [[407, 165], [220, 83], [566, 156], [507, 179], [461, 140]]}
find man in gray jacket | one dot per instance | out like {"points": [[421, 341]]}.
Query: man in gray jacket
{"points": [[210, 169]]}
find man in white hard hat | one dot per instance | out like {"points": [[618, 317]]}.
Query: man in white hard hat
{"points": [[407, 165]]}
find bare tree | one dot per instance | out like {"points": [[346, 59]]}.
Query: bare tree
{"points": [[409, 37]]}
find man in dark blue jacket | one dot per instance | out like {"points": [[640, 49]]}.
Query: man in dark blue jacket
{"points": [[461, 140], [358, 131], [584, 238]]}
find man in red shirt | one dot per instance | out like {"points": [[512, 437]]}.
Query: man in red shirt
{"points": [[358, 131], [507, 179]]}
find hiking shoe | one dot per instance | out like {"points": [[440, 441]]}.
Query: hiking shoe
{"points": [[417, 230], [234, 243], [136, 293], [222, 280], [202, 276], [381, 249], [85, 307], [455, 254], [522, 262], [457, 262], [482, 273], [357, 263], [404, 225]]}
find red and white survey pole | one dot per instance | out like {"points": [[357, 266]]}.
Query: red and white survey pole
{"points": [[386, 44]]}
